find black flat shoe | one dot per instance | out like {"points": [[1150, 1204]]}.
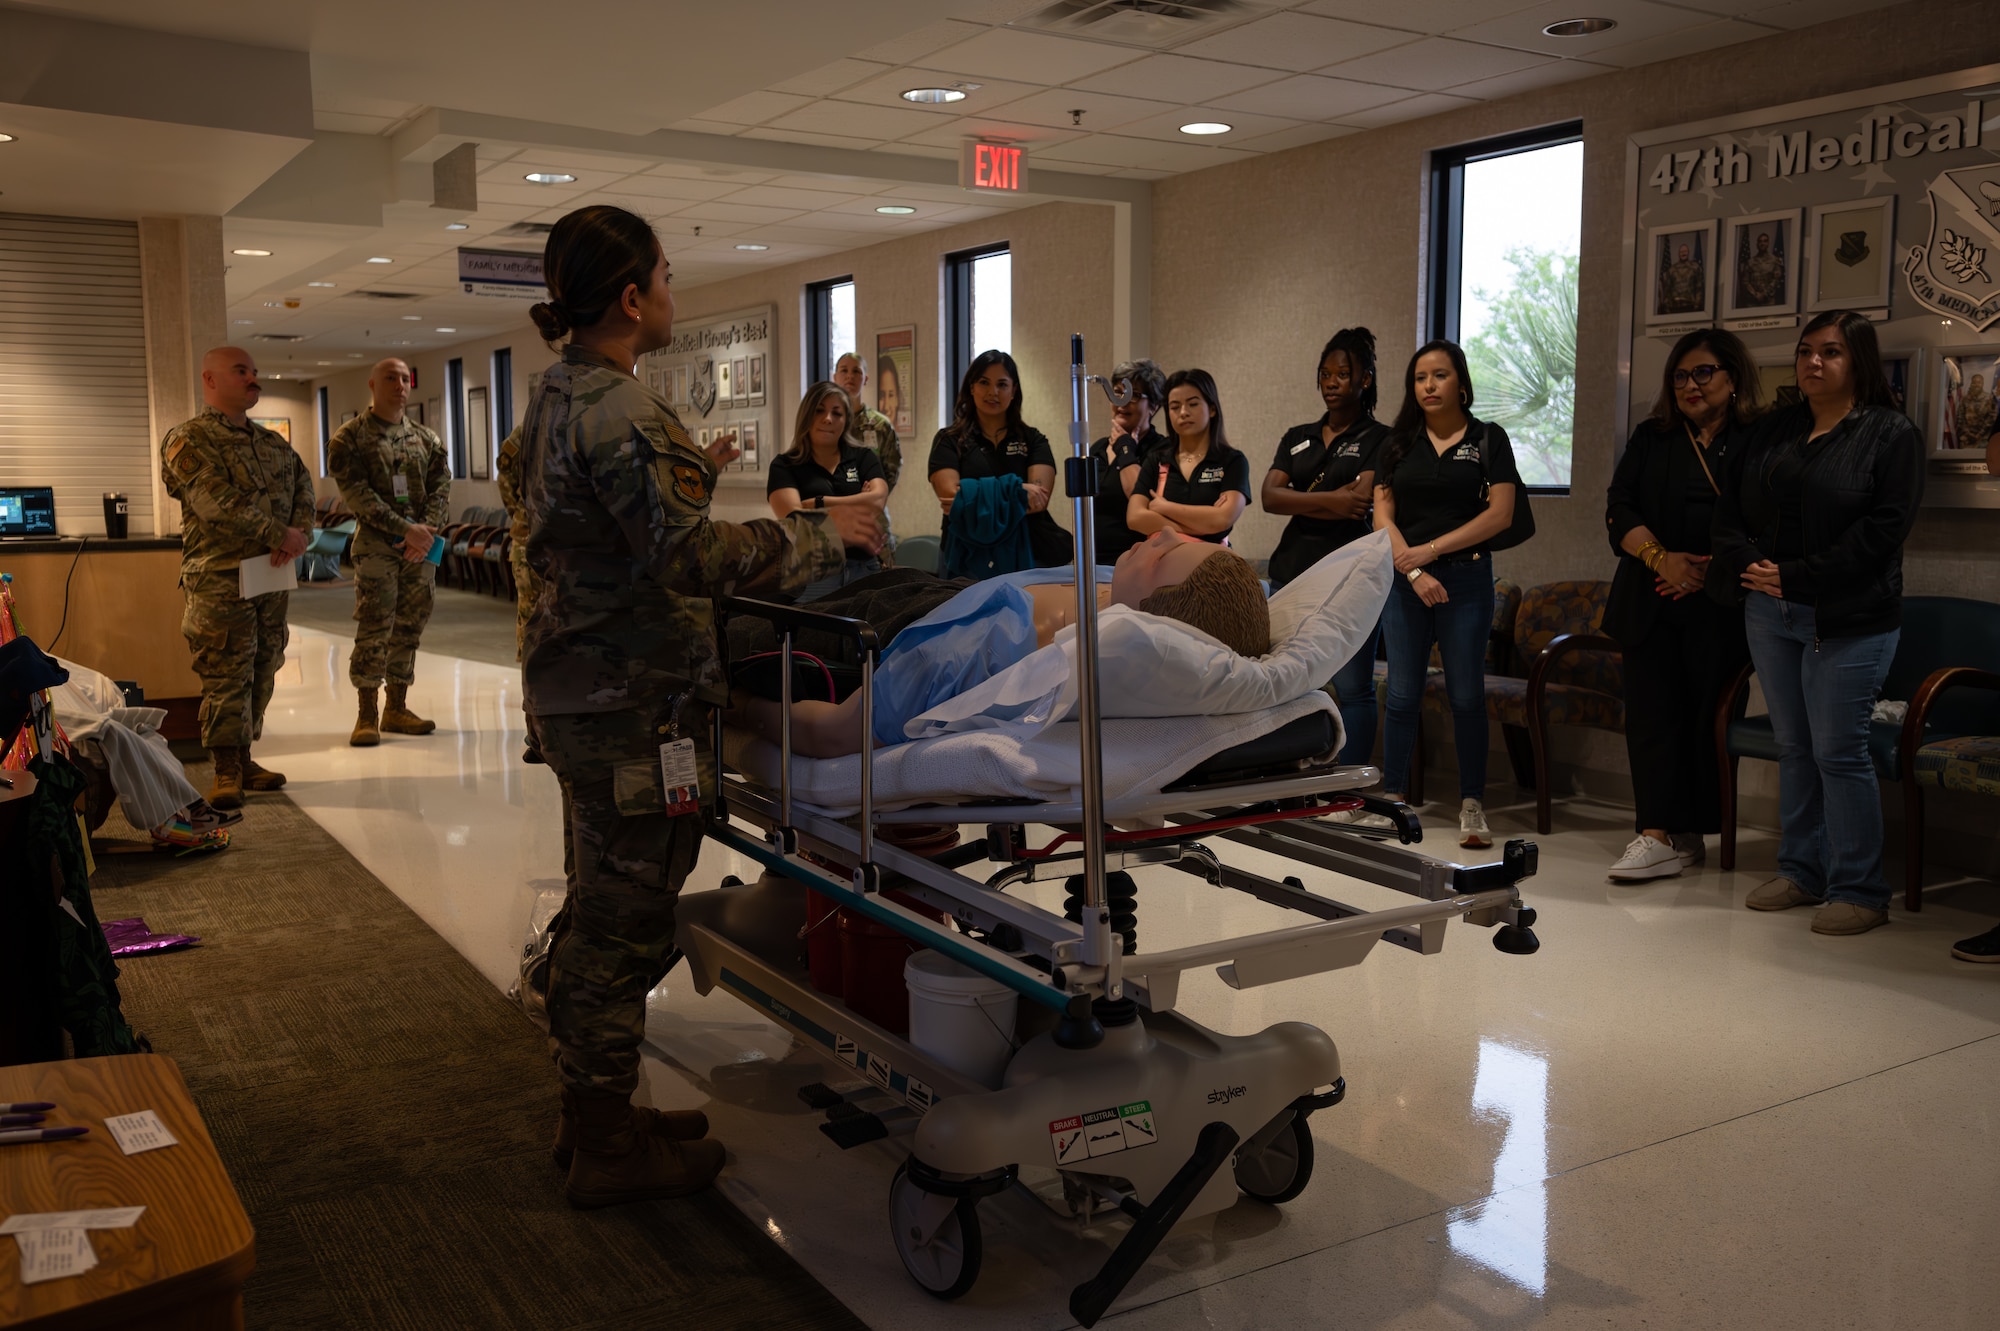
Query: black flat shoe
{"points": [[1985, 948]]}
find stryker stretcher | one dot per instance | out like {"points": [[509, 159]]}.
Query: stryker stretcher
{"points": [[1110, 1089]]}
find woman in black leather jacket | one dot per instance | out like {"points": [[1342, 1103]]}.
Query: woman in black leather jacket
{"points": [[1813, 529], [1680, 647]]}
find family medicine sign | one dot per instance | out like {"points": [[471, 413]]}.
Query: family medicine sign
{"points": [[509, 274]]}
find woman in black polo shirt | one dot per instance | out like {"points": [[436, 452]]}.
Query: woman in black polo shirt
{"points": [[826, 467], [1323, 478], [1444, 486], [987, 438], [1118, 455], [1196, 483]]}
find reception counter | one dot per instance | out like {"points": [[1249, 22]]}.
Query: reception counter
{"points": [[124, 614]]}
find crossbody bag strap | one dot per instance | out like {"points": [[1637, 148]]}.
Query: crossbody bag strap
{"points": [[1695, 444]]}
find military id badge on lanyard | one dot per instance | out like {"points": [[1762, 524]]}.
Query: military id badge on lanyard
{"points": [[679, 776], [400, 483]]}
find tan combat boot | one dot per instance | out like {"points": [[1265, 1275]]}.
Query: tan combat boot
{"points": [[256, 777], [617, 1161], [227, 792], [676, 1125], [367, 728], [398, 719]]}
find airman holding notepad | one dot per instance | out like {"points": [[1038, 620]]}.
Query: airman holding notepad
{"points": [[245, 496]]}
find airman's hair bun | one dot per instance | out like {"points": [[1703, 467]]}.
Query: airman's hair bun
{"points": [[549, 321]]}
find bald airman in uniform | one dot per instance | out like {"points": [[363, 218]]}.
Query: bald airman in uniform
{"points": [[395, 477], [245, 495]]}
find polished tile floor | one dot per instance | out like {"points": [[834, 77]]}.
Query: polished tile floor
{"points": [[1678, 1114]]}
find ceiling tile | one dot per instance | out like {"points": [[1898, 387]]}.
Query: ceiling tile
{"points": [[1029, 57], [954, 134], [829, 79], [1805, 13], [1413, 108], [1310, 97], [1297, 137], [1186, 156], [534, 196], [887, 90], [754, 108], [1529, 79], [1635, 18], [776, 196], [856, 121], [1432, 16], [1435, 63], [742, 175], [1175, 78], [1100, 112], [1687, 41], [1294, 41], [919, 42], [718, 211], [672, 187], [1167, 126], [677, 229], [1104, 150]]}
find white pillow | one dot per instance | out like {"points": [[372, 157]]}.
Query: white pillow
{"points": [[1149, 666]]}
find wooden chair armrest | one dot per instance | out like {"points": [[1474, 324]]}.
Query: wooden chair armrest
{"points": [[1560, 645], [1919, 714]]}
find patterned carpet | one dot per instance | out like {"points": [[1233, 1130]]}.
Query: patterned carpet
{"points": [[385, 1114]]}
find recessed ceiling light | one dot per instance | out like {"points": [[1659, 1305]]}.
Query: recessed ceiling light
{"points": [[354, 355], [253, 254], [454, 226], [896, 209], [1580, 27], [379, 259], [319, 284], [243, 321], [323, 362], [447, 330], [753, 247], [548, 177], [413, 318], [1205, 127], [934, 96], [6, 138]]}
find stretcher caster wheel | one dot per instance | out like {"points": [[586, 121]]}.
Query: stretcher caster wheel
{"points": [[1281, 1170], [947, 1263]]}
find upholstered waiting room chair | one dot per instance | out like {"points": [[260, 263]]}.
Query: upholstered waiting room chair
{"points": [[1952, 724], [1574, 675], [919, 552]]}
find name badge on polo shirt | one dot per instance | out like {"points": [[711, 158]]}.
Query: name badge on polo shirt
{"points": [[1211, 476], [851, 474], [1301, 446], [401, 485], [1017, 448], [1467, 451]]}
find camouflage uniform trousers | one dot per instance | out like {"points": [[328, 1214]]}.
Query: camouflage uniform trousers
{"points": [[392, 603], [238, 646], [626, 859], [527, 590]]}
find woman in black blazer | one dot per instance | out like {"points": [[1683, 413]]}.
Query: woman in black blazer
{"points": [[1681, 646]]}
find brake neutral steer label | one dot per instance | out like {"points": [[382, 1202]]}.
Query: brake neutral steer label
{"points": [[1102, 1132]]}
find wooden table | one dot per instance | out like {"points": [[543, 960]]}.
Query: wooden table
{"points": [[183, 1265]]}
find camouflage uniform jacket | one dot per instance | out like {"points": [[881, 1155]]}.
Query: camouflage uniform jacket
{"points": [[367, 454], [616, 498], [240, 487], [872, 428]]}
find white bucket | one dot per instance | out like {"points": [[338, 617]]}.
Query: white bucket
{"points": [[959, 1017]]}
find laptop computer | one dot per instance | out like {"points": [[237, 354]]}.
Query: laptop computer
{"points": [[27, 513]]}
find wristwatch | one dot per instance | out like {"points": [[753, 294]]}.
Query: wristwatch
{"points": [[1413, 575]]}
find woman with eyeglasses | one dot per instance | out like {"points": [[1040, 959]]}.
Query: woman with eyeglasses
{"points": [[1812, 530], [1680, 646]]}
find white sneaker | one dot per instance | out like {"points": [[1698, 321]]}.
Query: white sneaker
{"points": [[1690, 847], [1380, 822], [1473, 833], [1646, 858]]}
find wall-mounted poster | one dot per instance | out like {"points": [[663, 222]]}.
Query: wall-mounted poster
{"points": [[1680, 284], [895, 375], [707, 370], [282, 425], [1964, 407], [1852, 253], [1761, 272]]}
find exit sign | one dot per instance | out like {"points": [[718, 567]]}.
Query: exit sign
{"points": [[990, 166]]}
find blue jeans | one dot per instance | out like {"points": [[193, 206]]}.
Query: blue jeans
{"points": [[1354, 691], [1820, 695], [1460, 627]]}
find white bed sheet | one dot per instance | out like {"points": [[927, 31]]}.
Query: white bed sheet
{"points": [[1018, 761]]}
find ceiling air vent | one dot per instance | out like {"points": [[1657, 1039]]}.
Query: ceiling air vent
{"points": [[1153, 23], [536, 229], [280, 337], [388, 295]]}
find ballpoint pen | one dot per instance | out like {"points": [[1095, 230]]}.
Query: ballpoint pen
{"points": [[40, 1135]]}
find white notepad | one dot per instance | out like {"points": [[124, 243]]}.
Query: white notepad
{"points": [[259, 576]]}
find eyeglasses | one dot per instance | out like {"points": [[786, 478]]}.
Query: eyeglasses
{"points": [[1701, 374]]}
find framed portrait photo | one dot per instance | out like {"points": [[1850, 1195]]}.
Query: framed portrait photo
{"points": [[1680, 273], [1962, 408], [742, 364], [1853, 254], [725, 383], [756, 381], [1761, 264], [746, 439]]}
